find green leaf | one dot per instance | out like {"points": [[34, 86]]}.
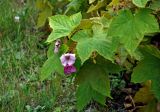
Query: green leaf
{"points": [[155, 5], [91, 1], [40, 4], [93, 85], [148, 69], [97, 6], [76, 18], [114, 3], [85, 24], [99, 82], [99, 97], [50, 51], [63, 48], [150, 107], [140, 3], [43, 16], [63, 25], [45, 9], [52, 65], [98, 41], [83, 95], [74, 5], [131, 28], [152, 50], [108, 66]]}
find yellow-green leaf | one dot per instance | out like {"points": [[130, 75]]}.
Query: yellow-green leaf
{"points": [[144, 94], [140, 3], [47, 12], [91, 1], [97, 6], [95, 40], [114, 3], [63, 25]]}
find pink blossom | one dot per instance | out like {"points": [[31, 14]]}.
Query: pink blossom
{"points": [[69, 69], [68, 59]]}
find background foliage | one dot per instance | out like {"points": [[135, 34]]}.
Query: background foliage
{"points": [[121, 31]]}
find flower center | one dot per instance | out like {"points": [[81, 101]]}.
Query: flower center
{"points": [[67, 57]]}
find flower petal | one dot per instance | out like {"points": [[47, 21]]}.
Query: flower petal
{"points": [[73, 69], [70, 62], [63, 60], [72, 57], [65, 63], [69, 69]]}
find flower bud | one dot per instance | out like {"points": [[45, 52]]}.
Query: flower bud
{"points": [[57, 46]]}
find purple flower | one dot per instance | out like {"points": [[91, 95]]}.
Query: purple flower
{"points": [[68, 59], [57, 46], [69, 69]]}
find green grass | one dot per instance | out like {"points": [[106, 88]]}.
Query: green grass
{"points": [[20, 62], [22, 54]]}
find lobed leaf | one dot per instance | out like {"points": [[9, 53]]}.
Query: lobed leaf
{"points": [[93, 85], [148, 69], [63, 25], [98, 41], [130, 28]]}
